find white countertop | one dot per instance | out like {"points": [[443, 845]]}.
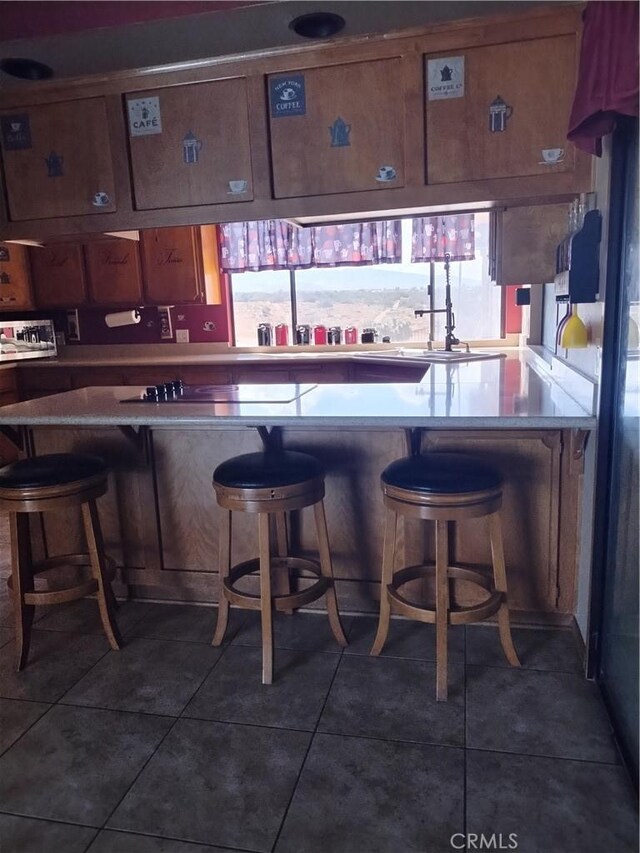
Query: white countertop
{"points": [[515, 392]]}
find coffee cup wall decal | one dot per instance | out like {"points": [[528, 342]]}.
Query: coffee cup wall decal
{"points": [[237, 187], [385, 174], [551, 156], [100, 199]]}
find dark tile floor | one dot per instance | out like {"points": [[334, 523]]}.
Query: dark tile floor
{"points": [[172, 746]]}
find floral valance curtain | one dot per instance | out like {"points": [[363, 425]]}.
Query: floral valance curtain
{"points": [[273, 244], [435, 236]]}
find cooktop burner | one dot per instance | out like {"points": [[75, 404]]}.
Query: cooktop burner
{"points": [[178, 392]]}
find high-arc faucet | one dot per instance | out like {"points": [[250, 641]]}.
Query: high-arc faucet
{"points": [[450, 323]]}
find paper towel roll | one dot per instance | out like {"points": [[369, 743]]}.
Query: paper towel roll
{"points": [[122, 318]]}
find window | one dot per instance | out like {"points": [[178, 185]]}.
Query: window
{"points": [[380, 296]]}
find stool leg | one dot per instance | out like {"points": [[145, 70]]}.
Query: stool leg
{"points": [[388, 557], [282, 581], [442, 608], [93, 532], [265, 598], [327, 572], [224, 565], [22, 582], [500, 581]]}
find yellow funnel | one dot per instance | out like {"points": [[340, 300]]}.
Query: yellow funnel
{"points": [[574, 333]]}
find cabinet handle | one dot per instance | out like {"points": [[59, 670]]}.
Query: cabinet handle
{"points": [[100, 199]]}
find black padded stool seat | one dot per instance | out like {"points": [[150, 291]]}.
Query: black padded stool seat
{"points": [[268, 470], [54, 469], [441, 473], [271, 484], [56, 482], [444, 488]]}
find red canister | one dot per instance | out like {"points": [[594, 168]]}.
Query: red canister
{"points": [[319, 335], [351, 335], [282, 335]]}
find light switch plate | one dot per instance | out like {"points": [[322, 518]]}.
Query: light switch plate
{"points": [[182, 336]]}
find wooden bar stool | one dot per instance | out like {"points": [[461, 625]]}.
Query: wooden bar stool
{"points": [[445, 488], [273, 483], [49, 483]]}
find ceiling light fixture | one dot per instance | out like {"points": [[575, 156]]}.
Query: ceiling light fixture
{"points": [[317, 25], [26, 69]]}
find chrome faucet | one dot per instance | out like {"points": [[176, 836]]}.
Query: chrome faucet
{"points": [[450, 340]]}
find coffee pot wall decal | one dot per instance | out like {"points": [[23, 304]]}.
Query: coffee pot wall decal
{"points": [[499, 112], [191, 147], [54, 163], [339, 132]]}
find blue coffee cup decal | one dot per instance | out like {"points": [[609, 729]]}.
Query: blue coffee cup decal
{"points": [[386, 173]]}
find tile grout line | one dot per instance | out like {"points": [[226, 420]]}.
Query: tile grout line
{"points": [[158, 745], [340, 656]]}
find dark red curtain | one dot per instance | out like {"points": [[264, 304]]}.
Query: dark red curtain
{"points": [[273, 244], [608, 75], [435, 236]]}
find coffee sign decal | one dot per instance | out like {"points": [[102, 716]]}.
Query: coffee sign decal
{"points": [[287, 96], [144, 116], [445, 78], [16, 132]]}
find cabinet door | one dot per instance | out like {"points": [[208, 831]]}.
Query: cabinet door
{"points": [[512, 109], [15, 281], [172, 265], [200, 154], [57, 160], [58, 276], [113, 272], [337, 129]]}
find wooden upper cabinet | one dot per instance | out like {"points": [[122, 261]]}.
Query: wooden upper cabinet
{"points": [[172, 262], [113, 272], [505, 112], [57, 160], [190, 144], [15, 280], [58, 276], [337, 129]]}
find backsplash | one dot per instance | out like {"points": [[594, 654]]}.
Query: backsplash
{"points": [[187, 324]]}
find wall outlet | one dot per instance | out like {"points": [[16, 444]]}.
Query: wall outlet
{"points": [[182, 336]]}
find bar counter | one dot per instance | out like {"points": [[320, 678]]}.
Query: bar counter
{"points": [[160, 517]]}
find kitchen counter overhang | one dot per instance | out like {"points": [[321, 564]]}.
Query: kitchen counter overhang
{"points": [[506, 393]]}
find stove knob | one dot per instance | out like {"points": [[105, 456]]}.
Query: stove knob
{"points": [[178, 386], [169, 390], [161, 392], [152, 394]]}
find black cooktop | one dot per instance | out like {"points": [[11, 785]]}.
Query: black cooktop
{"points": [[177, 392]]}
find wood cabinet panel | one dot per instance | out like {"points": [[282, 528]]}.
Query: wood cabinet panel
{"points": [[15, 279], [57, 160], [172, 265], [202, 155], [350, 136], [58, 275], [38, 382], [535, 80], [86, 377], [114, 273]]}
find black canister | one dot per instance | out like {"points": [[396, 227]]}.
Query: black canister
{"points": [[334, 335], [369, 336], [303, 334], [265, 335]]}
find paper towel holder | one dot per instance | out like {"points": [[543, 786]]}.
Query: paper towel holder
{"points": [[122, 318]]}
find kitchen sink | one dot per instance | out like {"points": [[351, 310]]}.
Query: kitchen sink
{"points": [[431, 356]]}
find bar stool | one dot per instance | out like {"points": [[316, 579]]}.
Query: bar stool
{"points": [[272, 482], [445, 488], [50, 483]]}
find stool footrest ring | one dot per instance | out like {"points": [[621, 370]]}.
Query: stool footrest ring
{"points": [[289, 601], [62, 595], [460, 615]]}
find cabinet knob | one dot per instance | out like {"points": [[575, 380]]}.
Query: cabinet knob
{"points": [[100, 199]]}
